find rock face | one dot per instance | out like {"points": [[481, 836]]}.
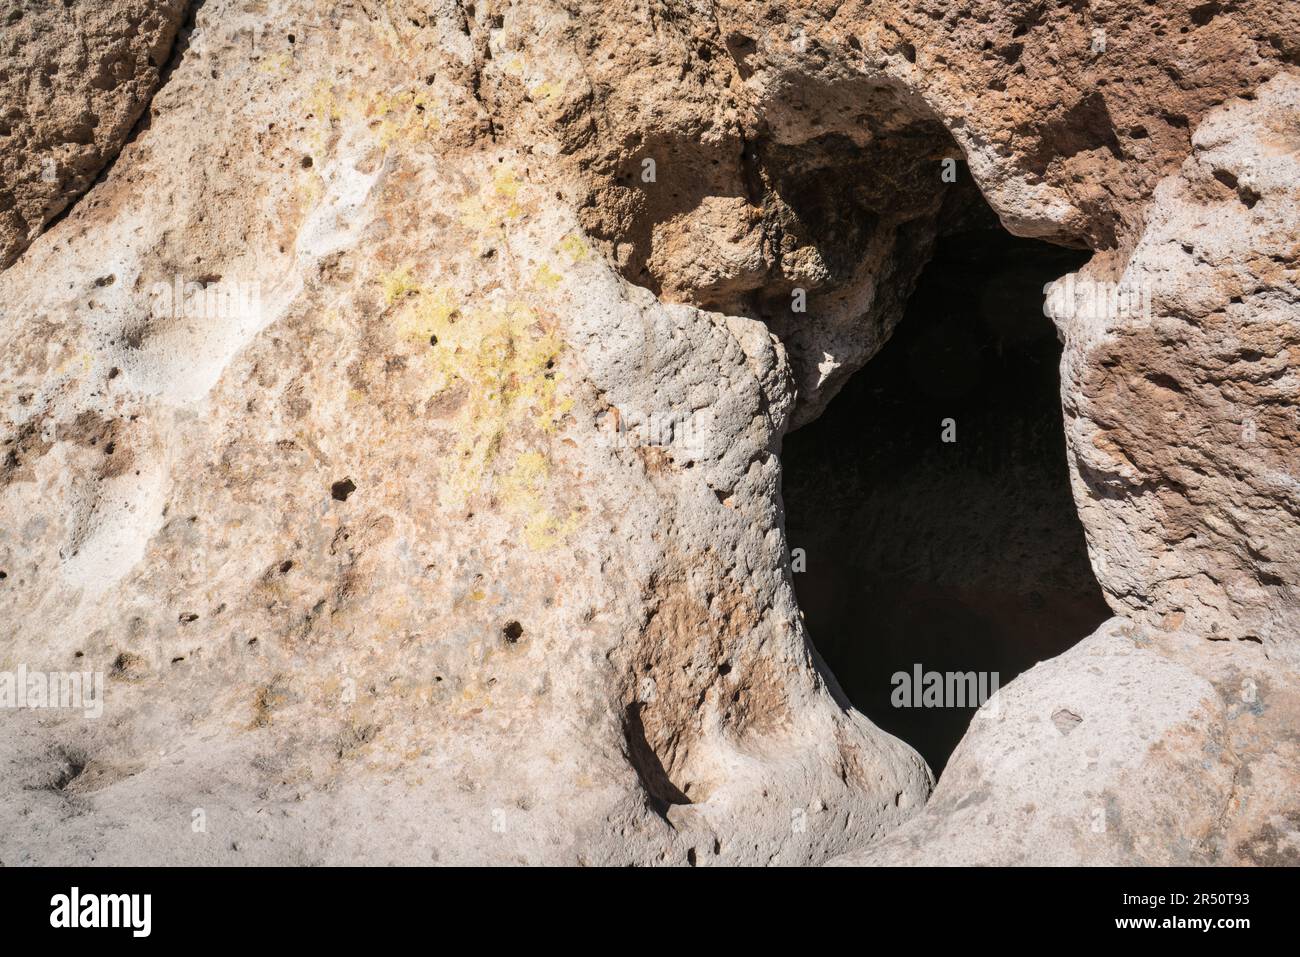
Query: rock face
{"points": [[398, 434], [74, 79], [1181, 390], [1134, 746]]}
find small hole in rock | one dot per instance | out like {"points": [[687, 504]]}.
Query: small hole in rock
{"points": [[513, 631], [341, 489], [73, 763]]}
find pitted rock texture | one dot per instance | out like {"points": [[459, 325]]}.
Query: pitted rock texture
{"points": [[74, 79], [1068, 116], [360, 549], [409, 463], [1184, 411]]}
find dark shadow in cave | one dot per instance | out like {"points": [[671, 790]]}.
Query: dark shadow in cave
{"points": [[957, 557]]}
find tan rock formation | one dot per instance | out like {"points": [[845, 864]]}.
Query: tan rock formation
{"points": [[74, 80], [1181, 388], [403, 447]]}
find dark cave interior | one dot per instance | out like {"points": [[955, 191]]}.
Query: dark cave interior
{"points": [[964, 556]]}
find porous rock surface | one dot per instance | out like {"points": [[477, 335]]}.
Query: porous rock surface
{"points": [[1184, 418], [74, 79], [456, 534]]}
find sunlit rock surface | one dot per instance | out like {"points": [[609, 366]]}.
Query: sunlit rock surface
{"points": [[403, 450]]}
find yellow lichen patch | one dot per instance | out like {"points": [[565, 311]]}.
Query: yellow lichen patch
{"points": [[492, 207], [277, 64], [505, 184], [432, 314], [309, 189], [527, 477], [574, 247], [523, 490], [546, 277], [399, 284], [503, 358], [402, 115], [514, 362], [538, 88], [406, 115], [545, 531], [323, 104], [514, 66], [544, 90], [506, 355], [522, 487]]}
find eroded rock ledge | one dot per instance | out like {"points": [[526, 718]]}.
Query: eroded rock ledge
{"points": [[386, 556]]}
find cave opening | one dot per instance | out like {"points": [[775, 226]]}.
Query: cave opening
{"points": [[915, 555]]}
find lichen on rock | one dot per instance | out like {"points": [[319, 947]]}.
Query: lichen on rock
{"points": [[458, 537]]}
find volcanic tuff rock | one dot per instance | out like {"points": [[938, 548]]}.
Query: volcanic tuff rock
{"points": [[438, 517], [74, 79], [1136, 745], [1184, 416]]}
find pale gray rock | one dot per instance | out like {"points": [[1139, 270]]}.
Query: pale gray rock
{"points": [[1134, 747]]}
